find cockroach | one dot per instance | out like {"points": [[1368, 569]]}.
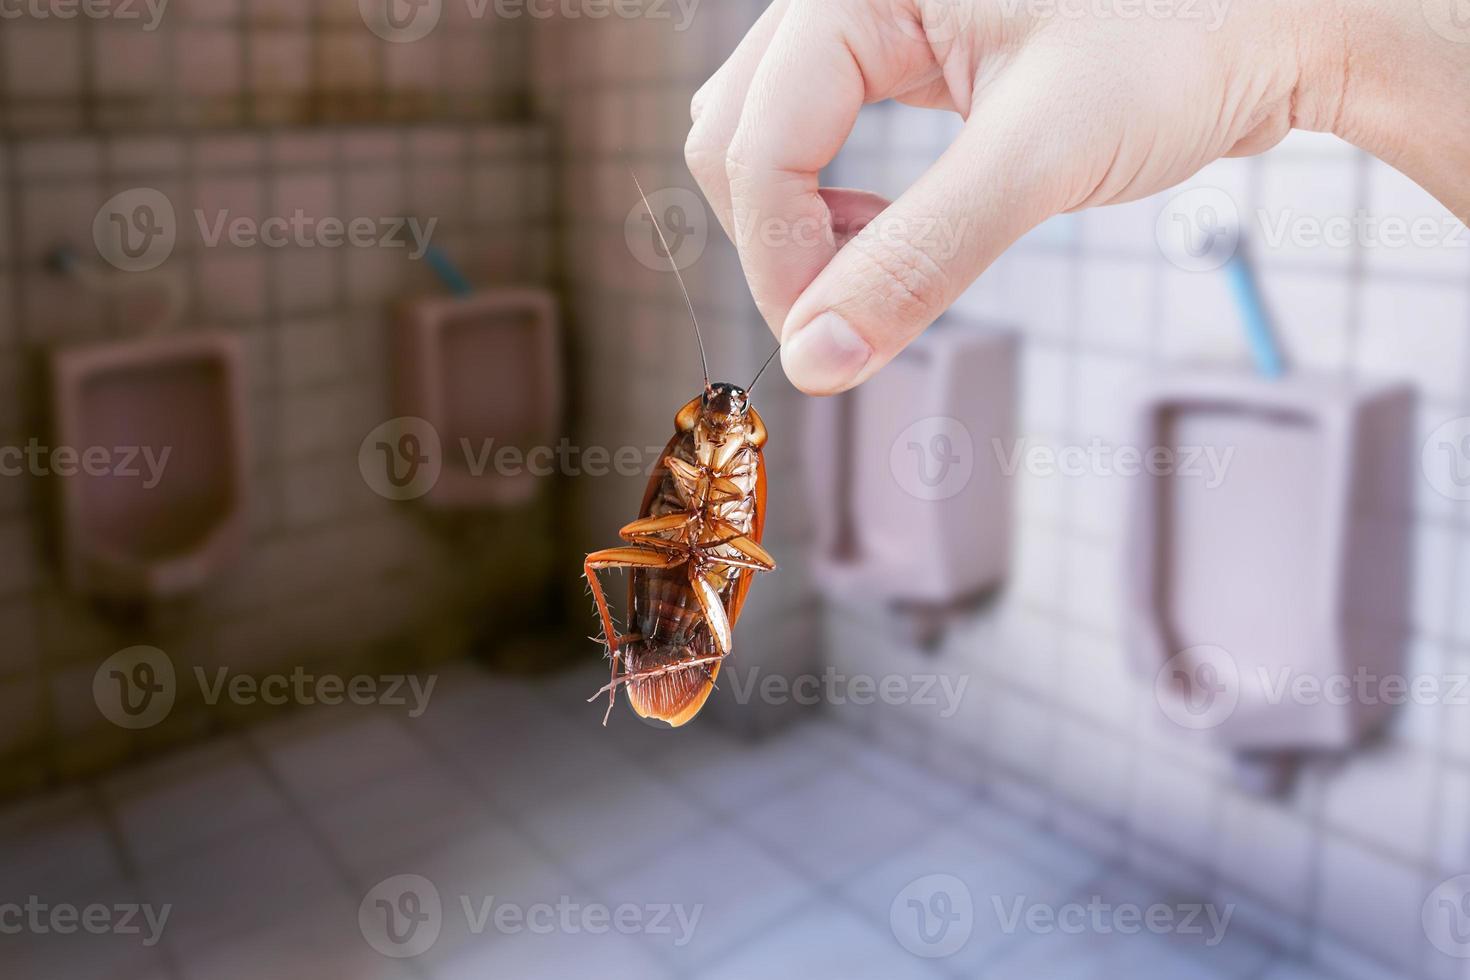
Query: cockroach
{"points": [[692, 552]]}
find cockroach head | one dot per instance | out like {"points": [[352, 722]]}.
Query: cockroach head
{"points": [[725, 404]]}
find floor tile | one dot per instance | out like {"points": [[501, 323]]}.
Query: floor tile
{"points": [[470, 708], [1330, 953], [654, 743], [554, 760], [247, 882], [189, 799], [1024, 838], [836, 823], [627, 822], [130, 952], [1294, 971], [57, 840], [1208, 933], [605, 954], [315, 942], [996, 882], [913, 782], [473, 930], [371, 826], [733, 885], [320, 756], [1090, 956], [824, 941], [737, 773], [786, 856], [1372, 901], [465, 872], [495, 858]]}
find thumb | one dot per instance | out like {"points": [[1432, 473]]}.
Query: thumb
{"points": [[911, 261]]}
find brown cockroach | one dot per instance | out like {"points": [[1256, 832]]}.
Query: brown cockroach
{"points": [[692, 552]]}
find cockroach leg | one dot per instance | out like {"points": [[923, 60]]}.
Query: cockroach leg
{"points": [[747, 552], [669, 532], [629, 556], [723, 489], [713, 609], [644, 675]]}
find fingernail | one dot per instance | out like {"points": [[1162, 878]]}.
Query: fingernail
{"points": [[825, 355]]}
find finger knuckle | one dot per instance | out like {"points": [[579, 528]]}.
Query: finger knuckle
{"points": [[737, 164], [698, 103], [739, 160], [703, 155], [904, 277]]}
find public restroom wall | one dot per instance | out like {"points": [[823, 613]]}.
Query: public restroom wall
{"points": [[220, 63], [253, 110]]}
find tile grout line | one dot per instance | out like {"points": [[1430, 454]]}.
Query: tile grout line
{"points": [[131, 866]]}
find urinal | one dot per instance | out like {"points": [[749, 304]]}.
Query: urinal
{"points": [[1291, 560], [910, 501], [155, 503], [484, 370]]}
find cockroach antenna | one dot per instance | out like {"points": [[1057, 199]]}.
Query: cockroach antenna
{"points": [[762, 371], [703, 363]]}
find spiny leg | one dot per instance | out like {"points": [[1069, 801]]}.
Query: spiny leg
{"points": [[628, 556], [669, 532], [625, 556], [651, 672]]}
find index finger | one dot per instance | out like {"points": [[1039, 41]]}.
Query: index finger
{"points": [[802, 105]]}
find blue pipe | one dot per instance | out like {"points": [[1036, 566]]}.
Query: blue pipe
{"points": [[447, 271], [1259, 335]]}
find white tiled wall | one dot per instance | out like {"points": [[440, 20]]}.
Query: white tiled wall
{"points": [[252, 62]]}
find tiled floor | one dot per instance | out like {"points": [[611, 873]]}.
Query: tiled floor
{"points": [[793, 853]]}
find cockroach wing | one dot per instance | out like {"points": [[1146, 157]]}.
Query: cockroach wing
{"points": [[650, 491]]}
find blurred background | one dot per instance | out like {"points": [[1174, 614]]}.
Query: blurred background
{"points": [[1120, 625]]}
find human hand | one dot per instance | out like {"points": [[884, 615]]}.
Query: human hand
{"points": [[1062, 112]]}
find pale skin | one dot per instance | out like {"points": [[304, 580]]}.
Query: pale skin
{"points": [[1062, 112]]}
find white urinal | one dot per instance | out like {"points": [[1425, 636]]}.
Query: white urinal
{"points": [[159, 505], [910, 501], [485, 371], [1295, 564]]}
